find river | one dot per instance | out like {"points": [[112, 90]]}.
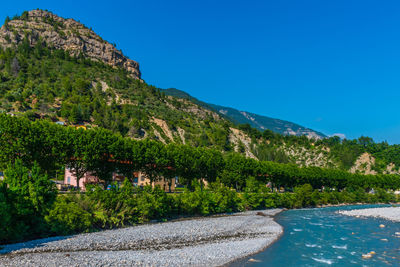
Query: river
{"points": [[321, 237]]}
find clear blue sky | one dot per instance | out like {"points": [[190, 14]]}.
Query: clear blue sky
{"points": [[333, 66]]}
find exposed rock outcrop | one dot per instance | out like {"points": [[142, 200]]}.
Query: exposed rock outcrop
{"points": [[239, 138], [391, 169], [303, 156], [364, 164], [164, 127], [181, 133], [66, 34]]}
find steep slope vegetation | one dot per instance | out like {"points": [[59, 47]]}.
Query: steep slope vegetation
{"points": [[40, 82], [57, 69]]}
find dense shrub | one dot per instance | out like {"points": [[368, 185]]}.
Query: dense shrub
{"points": [[5, 214], [154, 204], [384, 196], [196, 202], [256, 195], [114, 207], [215, 199], [68, 217], [304, 196], [224, 199], [285, 200], [25, 198]]}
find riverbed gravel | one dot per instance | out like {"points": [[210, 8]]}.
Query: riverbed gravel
{"points": [[389, 213], [212, 241]]}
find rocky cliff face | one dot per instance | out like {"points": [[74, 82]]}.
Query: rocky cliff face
{"points": [[66, 34]]}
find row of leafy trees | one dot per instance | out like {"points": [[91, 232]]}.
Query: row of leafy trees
{"points": [[101, 152]]}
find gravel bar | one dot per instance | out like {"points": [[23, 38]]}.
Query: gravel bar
{"points": [[389, 213], [211, 241]]}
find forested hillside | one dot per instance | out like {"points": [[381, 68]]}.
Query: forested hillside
{"points": [[41, 77], [42, 82]]}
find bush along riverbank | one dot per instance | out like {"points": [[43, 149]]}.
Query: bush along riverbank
{"points": [[30, 207]]}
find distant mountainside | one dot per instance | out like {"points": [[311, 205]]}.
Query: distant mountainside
{"points": [[257, 121], [262, 122]]}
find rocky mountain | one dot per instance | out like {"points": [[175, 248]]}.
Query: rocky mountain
{"points": [[58, 69], [257, 121], [67, 34]]}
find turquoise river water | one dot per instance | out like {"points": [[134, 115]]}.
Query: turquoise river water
{"points": [[322, 237]]}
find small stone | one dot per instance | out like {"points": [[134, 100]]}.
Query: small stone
{"points": [[253, 260], [382, 226]]}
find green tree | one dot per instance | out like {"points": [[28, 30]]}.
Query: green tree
{"points": [[6, 222], [31, 195], [77, 158], [6, 22], [99, 159]]}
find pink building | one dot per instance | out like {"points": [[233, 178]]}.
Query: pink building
{"points": [[88, 178], [139, 179]]}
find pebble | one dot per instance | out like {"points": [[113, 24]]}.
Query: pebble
{"points": [[366, 256], [212, 241], [389, 213]]}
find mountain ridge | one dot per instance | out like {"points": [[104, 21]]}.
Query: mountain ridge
{"points": [[259, 122]]}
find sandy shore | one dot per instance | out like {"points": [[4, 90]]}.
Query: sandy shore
{"points": [[212, 241], [389, 213]]}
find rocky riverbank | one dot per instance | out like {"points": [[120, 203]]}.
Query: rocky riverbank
{"points": [[210, 241], [389, 213]]}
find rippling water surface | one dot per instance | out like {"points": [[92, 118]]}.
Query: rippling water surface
{"points": [[321, 237]]}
